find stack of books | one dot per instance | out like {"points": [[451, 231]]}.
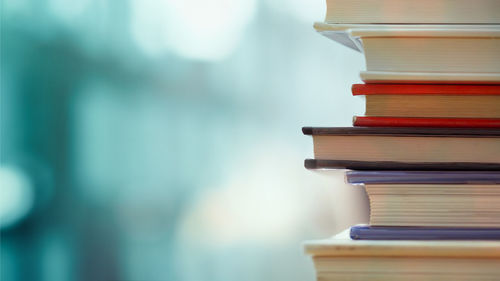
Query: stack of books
{"points": [[427, 150]]}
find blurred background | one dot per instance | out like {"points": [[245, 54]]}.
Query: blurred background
{"points": [[161, 139]]}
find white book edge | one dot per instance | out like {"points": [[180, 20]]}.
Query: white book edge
{"points": [[349, 34], [342, 245], [411, 77]]}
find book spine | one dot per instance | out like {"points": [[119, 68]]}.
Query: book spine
{"points": [[415, 89], [399, 166], [366, 121], [423, 233], [422, 177]]}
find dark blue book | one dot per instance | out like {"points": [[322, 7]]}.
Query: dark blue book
{"points": [[364, 232], [423, 177]]}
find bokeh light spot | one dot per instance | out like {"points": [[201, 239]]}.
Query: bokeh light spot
{"points": [[17, 195], [195, 29]]}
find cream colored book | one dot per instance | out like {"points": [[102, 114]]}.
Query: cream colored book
{"points": [[341, 258], [407, 145], [429, 77], [411, 11], [435, 205], [423, 53]]}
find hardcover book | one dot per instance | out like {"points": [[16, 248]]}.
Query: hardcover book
{"points": [[456, 54], [434, 205], [314, 164], [408, 11], [364, 232], [341, 258], [375, 121], [430, 101], [419, 177], [390, 148]]}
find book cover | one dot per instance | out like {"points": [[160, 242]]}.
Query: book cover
{"points": [[342, 258], [390, 131], [399, 166], [429, 105], [407, 11], [424, 89], [419, 177], [364, 232], [427, 77], [342, 245], [374, 121], [406, 145]]}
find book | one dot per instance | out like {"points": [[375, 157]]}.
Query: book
{"points": [[341, 32], [407, 11], [391, 145], [321, 164], [429, 77], [374, 121], [434, 205], [441, 50], [424, 89], [341, 258], [365, 232], [430, 101], [461, 54], [427, 151], [419, 177]]}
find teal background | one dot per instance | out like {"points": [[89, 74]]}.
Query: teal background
{"points": [[160, 139]]}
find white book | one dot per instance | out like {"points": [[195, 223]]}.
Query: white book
{"points": [[340, 258], [423, 53], [429, 77], [411, 11]]}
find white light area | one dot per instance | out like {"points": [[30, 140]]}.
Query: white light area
{"points": [[267, 200], [267, 206], [195, 29], [348, 203], [17, 195], [304, 10], [259, 202], [68, 10]]}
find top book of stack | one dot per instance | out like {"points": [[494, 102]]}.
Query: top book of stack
{"points": [[420, 42], [413, 11]]}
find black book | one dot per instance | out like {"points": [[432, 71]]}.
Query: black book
{"points": [[362, 148]]}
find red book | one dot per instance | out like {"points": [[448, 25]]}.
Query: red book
{"points": [[424, 89], [416, 105], [366, 121]]}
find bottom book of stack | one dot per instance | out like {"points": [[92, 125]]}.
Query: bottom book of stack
{"points": [[341, 258]]}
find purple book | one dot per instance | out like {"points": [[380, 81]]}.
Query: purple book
{"points": [[364, 232], [423, 177]]}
